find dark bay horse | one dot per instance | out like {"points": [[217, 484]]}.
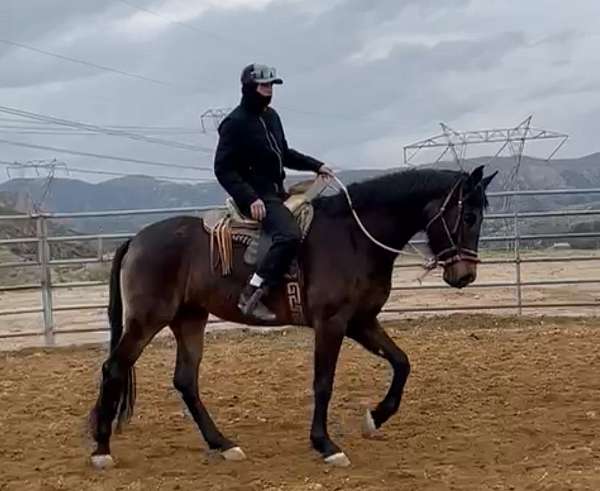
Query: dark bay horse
{"points": [[163, 277]]}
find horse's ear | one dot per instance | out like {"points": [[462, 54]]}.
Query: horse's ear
{"points": [[476, 176], [486, 180]]}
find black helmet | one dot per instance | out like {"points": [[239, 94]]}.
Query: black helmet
{"points": [[259, 74]]}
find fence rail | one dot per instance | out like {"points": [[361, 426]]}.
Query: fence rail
{"points": [[44, 262]]}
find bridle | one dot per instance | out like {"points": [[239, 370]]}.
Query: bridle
{"points": [[453, 253]]}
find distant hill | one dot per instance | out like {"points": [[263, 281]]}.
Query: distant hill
{"points": [[71, 195], [139, 192], [28, 252]]}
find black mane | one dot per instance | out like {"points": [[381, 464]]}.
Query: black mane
{"points": [[396, 189]]}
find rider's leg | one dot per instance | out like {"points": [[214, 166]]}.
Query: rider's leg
{"points": [[281, 225]]}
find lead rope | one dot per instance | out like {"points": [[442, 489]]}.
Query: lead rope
{"points": [[429, 263]]}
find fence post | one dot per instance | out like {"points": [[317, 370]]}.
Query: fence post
{"points": [[518, 256], [100, 249], [45, 279]]}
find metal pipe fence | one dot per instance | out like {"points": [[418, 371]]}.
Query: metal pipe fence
{"points": [[44, 263]]}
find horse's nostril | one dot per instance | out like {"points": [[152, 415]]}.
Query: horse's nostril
{"points": [[467, 279]]}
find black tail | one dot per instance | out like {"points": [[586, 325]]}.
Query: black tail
{"points": [[115, 317], [115, 302]]}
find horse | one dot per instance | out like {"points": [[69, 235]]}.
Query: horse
{"points": [[165, 276]]}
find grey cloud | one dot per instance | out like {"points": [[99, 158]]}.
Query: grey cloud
{"points": [[35, 19], [446, 62], [410, 72], [561, 37], [562, 87]]}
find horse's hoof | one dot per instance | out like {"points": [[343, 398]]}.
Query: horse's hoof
{"points": [[234, 454], [338, 460], [101, 462], [185, 413], [368, 426]]}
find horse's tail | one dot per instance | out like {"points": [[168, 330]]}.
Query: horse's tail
{"points": [[115, 317], [115, 302]]}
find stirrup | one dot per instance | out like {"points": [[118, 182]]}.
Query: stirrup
{"points": [[253, 307]]}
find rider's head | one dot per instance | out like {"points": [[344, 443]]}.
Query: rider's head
{"points": [[257, 85]]}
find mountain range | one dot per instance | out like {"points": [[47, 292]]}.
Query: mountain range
{"points": [[143, 192]]}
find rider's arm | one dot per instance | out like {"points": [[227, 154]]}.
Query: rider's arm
{"points": [[227, 162], [299, 161]]}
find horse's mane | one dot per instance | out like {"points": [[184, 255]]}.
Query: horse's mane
{"points": [[396, 189]]}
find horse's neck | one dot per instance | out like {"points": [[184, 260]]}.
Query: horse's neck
{"points": [[390, 224], [392, 229]]}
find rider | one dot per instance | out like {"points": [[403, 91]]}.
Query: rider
{"points": [[249, 161]]}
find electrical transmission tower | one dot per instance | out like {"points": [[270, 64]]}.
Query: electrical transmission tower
{"points": [[215, 115], [514, 139], [45, 169]]}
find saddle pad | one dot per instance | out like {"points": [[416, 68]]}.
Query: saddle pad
{"points": [[224, 229]]}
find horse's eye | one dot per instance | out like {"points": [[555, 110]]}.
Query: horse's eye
{"points": [[470, 219]]}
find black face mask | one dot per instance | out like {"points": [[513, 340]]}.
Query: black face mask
{"points": [[252, 100]]}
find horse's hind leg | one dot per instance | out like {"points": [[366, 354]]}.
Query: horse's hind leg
{"points": [[188, 329], [372, 336], [115, 371]]}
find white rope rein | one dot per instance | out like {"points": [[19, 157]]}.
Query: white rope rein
{"points": [[369, 236]]}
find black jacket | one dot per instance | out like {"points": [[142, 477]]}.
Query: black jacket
{"points": [[252, 153]]}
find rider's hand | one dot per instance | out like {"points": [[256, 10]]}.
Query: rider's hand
{"points": [[258, 210], [325, 171]]}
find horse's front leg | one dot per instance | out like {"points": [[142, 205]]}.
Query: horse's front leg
{"points": [[371, 336], [329, 334]]}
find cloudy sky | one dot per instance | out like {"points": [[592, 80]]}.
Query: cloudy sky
{"points": [[362, 78]]}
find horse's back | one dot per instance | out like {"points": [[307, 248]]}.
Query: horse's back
{"points": [[167, 243], [170, 230]]}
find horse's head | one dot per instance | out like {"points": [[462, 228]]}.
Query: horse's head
{"points": [[454, 224]]}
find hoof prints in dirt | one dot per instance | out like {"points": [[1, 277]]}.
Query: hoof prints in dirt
{"points": [[516, 408]]}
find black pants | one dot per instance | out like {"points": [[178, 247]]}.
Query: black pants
{"points": [[281, 225]]}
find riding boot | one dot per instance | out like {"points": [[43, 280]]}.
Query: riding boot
{"points": [[250, 304]]}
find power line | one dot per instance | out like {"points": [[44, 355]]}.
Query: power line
{"points": [[153, 80], [104, 156], [102, 129], [90, 64], [21, 121], [23, 124], [181, 24], [134, 127], [42, 126], [23, 130], [218, 36], [108, 173]]}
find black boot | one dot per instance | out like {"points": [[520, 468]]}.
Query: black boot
{"points": [[250, 304]]}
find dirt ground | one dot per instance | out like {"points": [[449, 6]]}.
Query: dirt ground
{"points": [[491, 403]]}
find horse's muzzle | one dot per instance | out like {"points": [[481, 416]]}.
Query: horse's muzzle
{"points": [[460, 273]]}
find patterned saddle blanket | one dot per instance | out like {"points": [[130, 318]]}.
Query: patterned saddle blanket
{"points": [[229, 225]]}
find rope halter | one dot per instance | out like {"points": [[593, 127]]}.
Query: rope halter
{"points": [[453, 253]]}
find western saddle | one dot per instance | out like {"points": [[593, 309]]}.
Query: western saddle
{"points": [[229, 225]]}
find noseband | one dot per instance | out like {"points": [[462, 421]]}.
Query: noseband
{"points": [[453, 253]]}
